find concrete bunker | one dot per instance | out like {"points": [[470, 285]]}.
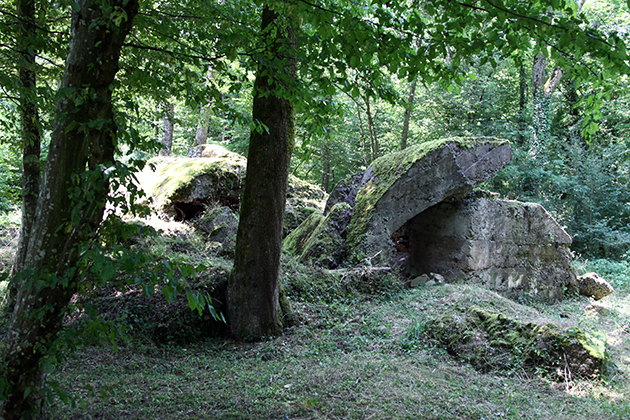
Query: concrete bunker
{"points": [[509, 246]]}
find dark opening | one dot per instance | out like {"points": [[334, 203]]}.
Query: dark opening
{"points": [[188, 211]]}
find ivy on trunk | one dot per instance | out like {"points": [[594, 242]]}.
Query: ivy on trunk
{"points": [[71, 202]]}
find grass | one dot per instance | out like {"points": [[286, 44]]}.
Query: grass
{"points": [[361, 352], [356, 358]]}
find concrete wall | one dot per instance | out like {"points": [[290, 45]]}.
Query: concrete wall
{"points": [[508, 246]]}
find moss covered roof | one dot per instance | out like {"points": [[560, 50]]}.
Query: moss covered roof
{"points": [[388, 169]]}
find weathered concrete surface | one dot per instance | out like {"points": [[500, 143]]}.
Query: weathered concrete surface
{"points": [[592, 285], [401, 185], [508, 246]]}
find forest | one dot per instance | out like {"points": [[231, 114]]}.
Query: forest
{"points": [[113, 307]]}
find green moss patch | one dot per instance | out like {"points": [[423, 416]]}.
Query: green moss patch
{"points": [[326, 245], [490, 340], [294, 244]]}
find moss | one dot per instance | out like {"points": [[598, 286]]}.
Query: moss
{"points": [[175, 180], [294, 244], [490, 340], [390, 168], [326, 245]]}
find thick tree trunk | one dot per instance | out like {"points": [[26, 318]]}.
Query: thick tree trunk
{"points": [[30, 131], [71, 200], [253, 305], [168, 127], [405, 130]]}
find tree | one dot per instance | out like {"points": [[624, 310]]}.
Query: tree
{"points": [[253, 293], [72, 198], [408, 109], [168, 126], [340, 36], [30, 130]]}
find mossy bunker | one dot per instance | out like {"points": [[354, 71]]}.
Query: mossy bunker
{"points": [[414, 209]]}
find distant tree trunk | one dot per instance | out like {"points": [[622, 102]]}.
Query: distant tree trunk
{"points": [[30, 132], [201, 136], [542, 88], [253, 291], [367, 158], [374, 147], [405, 130], [71, 200], [572, 98], [168, 127], [522, 103], [326, 160]]}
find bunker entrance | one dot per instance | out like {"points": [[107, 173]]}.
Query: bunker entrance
{"points": [[430, 242]]}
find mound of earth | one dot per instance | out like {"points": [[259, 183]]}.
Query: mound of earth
{"points": [[489, 340]]}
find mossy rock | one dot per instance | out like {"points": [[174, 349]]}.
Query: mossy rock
{"points": [[326, 245], [220, 225], [183, 187], [294, 244], [180, 183], [490, 340]]}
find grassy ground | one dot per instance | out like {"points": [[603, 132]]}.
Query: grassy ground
{"points": [[356, 358], [360, 353]]}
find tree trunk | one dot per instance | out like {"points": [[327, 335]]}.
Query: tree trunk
{"points": [[253, 305], [405, 130], [522, 103], [201, 136], [367, 159], [30, 131], [167, 129], [540, 117], [326, 160], [371, 131], [71, 201]]}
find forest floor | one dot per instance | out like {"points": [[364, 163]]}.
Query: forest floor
{"points": [[354, 356], [355, 359]]}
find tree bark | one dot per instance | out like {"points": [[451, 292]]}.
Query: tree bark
{"points": [[201, 136], [326, 159], [167, 129], [405, 130], [253, 305], [71, 201], [30, 132], [374, 148], [522, 103]]}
